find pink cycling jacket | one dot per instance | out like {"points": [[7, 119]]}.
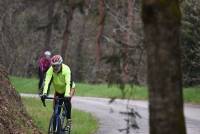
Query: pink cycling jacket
{"points": [[44, 64]]}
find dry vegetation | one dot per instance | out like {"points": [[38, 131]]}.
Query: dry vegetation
{"points": [[13, 117]]}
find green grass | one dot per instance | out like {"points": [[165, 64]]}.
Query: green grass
{"points": [[192, 94], [83, 123], [24, 85], [102, 90]]}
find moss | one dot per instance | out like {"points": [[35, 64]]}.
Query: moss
{"points": [[172, 7], [163, 2]]}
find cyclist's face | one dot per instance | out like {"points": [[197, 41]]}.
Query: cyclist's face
{"points": [[48, 56], [56, 68]]}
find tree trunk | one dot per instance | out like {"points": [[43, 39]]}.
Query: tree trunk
{"points": [[130, 19], [49, 26], [87, 3], [66, 34], [96, 68], [79, 56], [128, 33], [100, 30], [162, 28]]}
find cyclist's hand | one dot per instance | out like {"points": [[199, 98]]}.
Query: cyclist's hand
{"points": [[43, 97], [72, 92], [67, 98]]}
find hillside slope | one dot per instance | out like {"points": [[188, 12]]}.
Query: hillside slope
{"points": [[13, 117]]}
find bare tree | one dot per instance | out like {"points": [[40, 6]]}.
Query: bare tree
{"points": [[127, 38], [101, 20], [128, 34], [100, 30], [79, 56], [49, 25], [162, 29], [69, 18]]}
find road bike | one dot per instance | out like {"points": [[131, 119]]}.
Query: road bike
{"points": [[58, 122]]}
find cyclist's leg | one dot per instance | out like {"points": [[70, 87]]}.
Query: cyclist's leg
{"points": [[41, 77], [68, 107], [60, 102]]}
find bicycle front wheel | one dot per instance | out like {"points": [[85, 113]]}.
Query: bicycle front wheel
{"points": [[54, 126], [66, 127]]}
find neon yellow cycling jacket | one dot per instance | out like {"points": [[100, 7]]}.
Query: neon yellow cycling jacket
{"points": [[61, 80]]}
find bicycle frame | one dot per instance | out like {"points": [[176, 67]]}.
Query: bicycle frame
{"points": [[58, 116]]}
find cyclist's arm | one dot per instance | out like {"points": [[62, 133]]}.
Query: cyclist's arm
{"points": [[67, 80], [47, 79]]}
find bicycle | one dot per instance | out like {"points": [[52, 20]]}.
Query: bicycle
{"points": [[58, 122]]}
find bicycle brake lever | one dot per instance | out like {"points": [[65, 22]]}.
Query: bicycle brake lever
{"points": [[43, 102]]}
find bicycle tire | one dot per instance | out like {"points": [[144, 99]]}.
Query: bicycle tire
{"points": [[50, 130], [54, 128], [64, 126]]}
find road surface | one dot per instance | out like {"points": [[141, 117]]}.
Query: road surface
{"points": [[111, 120]]}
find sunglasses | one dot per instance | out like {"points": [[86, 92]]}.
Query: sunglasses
{"points": [[56, 66]]}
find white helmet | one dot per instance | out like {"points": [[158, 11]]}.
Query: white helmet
{"points": [[47, 53]]}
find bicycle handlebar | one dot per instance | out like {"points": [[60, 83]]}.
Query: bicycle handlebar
{"points": [[50, 98]]}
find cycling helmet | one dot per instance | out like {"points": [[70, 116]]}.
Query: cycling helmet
{"points": [[47, 53], [56, 60]]}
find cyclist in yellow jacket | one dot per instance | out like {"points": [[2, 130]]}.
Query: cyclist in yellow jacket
{"points": [[60, 75]]}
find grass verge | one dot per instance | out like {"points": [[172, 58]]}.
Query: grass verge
{"points": [[24, 85], [83, 123]]}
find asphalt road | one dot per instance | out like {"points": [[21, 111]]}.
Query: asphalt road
{"points": [[111, 120]]}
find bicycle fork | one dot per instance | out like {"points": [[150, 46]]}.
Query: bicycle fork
{"points": [[57, 120]]}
